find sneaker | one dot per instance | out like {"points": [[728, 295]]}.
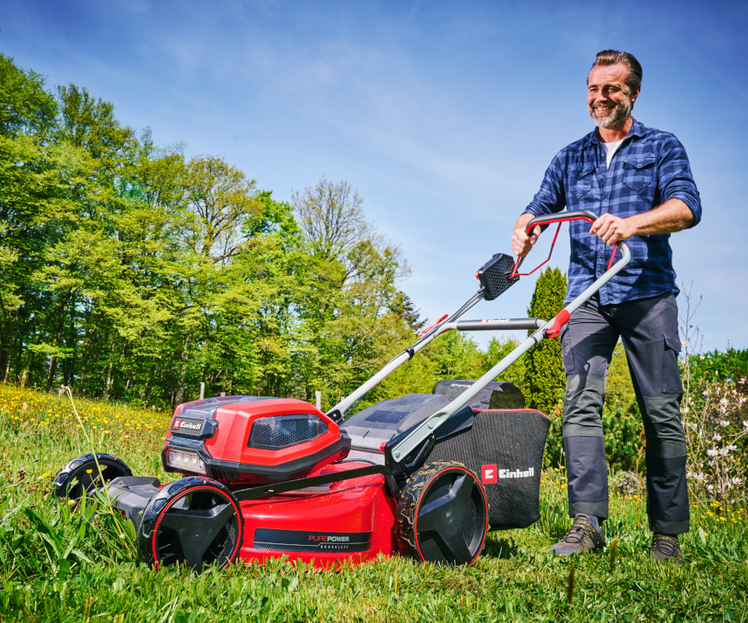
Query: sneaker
{"points": [[581, 537], [666, 547]]}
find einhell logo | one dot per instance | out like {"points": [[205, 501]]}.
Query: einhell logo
{"points": [[491, 475], [189, 427]]}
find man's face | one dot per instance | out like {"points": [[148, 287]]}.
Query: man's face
{"points": [[609, 100]]}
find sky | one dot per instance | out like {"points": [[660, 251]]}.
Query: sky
{"points": [[442, 115]]}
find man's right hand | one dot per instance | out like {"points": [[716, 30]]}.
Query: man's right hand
{"points": [[521, 242]]}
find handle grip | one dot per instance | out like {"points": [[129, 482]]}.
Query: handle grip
{"points": [[561, 217]]}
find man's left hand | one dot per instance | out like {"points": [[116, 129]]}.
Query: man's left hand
{"points": [[612, 229]]}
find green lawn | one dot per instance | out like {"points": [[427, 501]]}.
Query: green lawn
{"points": [[62, 564]]}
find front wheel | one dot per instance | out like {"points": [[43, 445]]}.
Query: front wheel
{"points": [[443, 514], [193, 521], [86, 473]]}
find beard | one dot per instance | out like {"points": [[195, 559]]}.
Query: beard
{"points": [[618, 114]]}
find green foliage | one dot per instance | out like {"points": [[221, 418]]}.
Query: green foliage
{"points": [[731, 364], [451, 356], [498, 349], [544, 373], [624, 436], [137, 275], [26, 107]]}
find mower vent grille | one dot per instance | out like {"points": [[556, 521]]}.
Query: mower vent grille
{"points": [[285, 430]]}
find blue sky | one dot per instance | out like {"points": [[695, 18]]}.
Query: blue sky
{"points": [[443, 115]]}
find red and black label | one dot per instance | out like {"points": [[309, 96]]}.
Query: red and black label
{"points": [[187, 426], [303, 541]]}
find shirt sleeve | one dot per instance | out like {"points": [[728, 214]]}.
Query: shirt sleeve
{"points": [[676, 180], [551, 197]]}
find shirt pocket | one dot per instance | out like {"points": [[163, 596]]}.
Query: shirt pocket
{"points": [[580, 180], [639, 173]]}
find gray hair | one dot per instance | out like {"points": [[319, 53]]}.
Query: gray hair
{"points": [[611, 57]]}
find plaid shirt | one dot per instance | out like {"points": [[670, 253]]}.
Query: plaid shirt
{"points": [[649, 168]]}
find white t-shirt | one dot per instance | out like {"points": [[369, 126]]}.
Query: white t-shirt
{"points": [[611, 148]]}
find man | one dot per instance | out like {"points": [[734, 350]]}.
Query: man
{"points": [[638, 181]]}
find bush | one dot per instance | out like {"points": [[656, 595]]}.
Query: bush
{"points": [[624, 436], [715, 418]]}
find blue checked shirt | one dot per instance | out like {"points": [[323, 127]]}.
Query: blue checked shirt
{"points": [[649, 168]]}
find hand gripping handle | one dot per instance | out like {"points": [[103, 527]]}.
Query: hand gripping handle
{"points": [[561, 217]]}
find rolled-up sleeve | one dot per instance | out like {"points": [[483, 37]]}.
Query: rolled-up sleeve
{"points": [[676, 180]]}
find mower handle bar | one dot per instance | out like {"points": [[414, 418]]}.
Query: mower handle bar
{"points": [[561, 217], [404, 447], [548, 219], [448, 323]]}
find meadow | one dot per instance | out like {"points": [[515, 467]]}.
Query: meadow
{"points": [[65, 563]]}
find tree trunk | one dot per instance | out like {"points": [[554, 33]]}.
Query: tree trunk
{"points": [[179, 397]]}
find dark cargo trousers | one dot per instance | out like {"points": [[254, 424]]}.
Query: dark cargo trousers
{"points": [[649, 331]]}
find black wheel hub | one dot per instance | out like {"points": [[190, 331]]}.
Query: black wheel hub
{"points": [[193, 522], [443, 514]]}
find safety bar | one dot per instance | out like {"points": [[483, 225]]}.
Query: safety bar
{"points": [[549, 329]]}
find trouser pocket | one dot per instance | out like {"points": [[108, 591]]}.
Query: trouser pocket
{"points": [[654, 366]]}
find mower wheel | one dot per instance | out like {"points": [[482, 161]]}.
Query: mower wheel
{"points": [[443, 514], [84, 474], [193, 521]]}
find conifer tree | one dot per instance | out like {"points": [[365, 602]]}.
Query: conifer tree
{"points": [[544, 373]]}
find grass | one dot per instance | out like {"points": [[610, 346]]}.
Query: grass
{"points": [[79, 564]]}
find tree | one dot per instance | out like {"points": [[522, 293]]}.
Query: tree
{"points": [[34, 178], [25, 106], [544, 372], [348, 312], [496, 351]]}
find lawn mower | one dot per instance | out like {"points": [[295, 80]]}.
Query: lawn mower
{"points": [[425, 474]]}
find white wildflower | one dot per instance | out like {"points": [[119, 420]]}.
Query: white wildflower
{"points": [[732, 448], [736, 481], [717, 438], [712, 452], [724, 423]]}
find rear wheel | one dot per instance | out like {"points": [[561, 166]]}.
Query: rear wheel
{"points": [[193, 521], [443, 514], [86, 473]]}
